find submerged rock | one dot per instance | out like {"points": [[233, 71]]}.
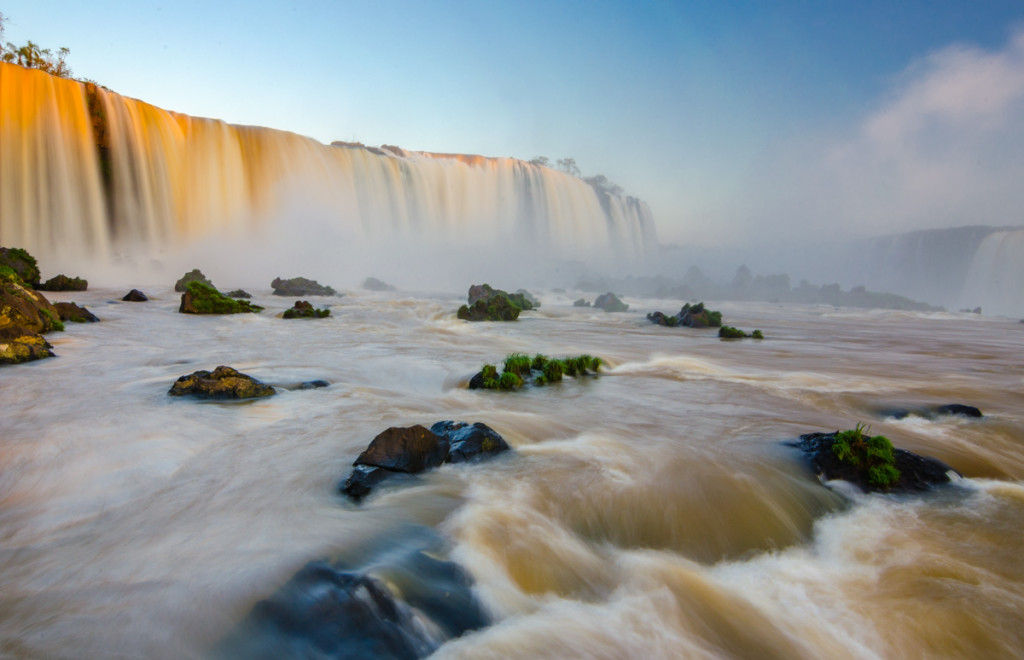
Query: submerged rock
{"points": [[404, 605], [373, 284], [200, 298], [610, 302], [930, 412], [300, 286], [70, 311], [222, 383], [135, 296], [915, 472], [399, 451], [194, 275], [64, 283], [22, 263], [302, 309]]}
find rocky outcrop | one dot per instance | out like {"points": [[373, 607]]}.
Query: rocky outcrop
{"points": [[490, 304], [581, 302], [373, 284], [610, 302], [530, 298], [691, 316], [303, 309], [222, 383], [194, 275], [239, 293], [70, 311], [18, 346], [914, 472], [64, 283], [300, 286], [398, 452], [22, 263], [135, 296], [24, 316], [200, 298]]}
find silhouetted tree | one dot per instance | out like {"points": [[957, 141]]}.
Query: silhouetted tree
{"points": [[541, 160], [568, 165]]}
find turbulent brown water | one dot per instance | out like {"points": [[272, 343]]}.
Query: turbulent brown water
{"points": [[652, 512]]}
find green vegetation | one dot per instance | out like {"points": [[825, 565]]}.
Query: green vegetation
{"points": [[757, 334], [874, 455], [200, 298], [32, 56], [519, 370], [22, 263], [55, 322], [729, 332]]}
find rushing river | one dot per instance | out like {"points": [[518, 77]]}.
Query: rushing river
{"points": [[653, 511]]}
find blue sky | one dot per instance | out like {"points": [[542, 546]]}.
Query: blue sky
{"points": [[736, 121]]}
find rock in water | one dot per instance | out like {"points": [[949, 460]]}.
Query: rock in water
{"points": [[239, 293], [609, 302], [300, 286], [200, 298], [303, 309], [222, 383], [958, 409], [194, 275], [70, 311], [373, 284], [135, 296], [64, 283], [489, 304], [22, 263], [406, 451]]}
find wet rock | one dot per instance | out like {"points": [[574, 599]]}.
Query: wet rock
{"points": [[313, 384], [64, 283], [373, 284], [194, 275], [530, 298], [22, 307], [70, 311], [135, 296], [19, 345], [489, 304], [22, 263], [659, 318], [222, 383], [300, 286], [200, 298], [958, 409], [302, 309], [411, 450], [404, 606], [697, 316], [610, 302], [916, 473], [239, 293], [581, 302], [729, 332], [930, 412]]}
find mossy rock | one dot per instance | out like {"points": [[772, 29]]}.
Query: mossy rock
{"points": [[300, 286], [610, 302], [222, 383], [24, 308], [194, 275], [200, 298], [22, 263], [70, 311], [19, 345], [697, 316], [239, 293], [303, 309], [64, 283], [581, 302], [520, 370]]}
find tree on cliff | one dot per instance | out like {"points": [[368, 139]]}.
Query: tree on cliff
{"points": [[32, 56]]}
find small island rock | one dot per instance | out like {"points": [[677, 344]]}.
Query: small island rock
{"points": [[222, 383]]}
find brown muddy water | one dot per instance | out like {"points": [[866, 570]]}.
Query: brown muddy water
{"points": [[652, 512]]}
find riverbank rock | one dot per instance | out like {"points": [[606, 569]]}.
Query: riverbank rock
{"points": [[18, 345], [22, 263], [70, 311], [22, 307], [405, 605], [302, 309], [373, 284], [490, 304], [222, 383], [300, 286], [135, 296], [64, 283], [194, 275], [916, 473], [399, 451], [200, 298], [610, 302]]}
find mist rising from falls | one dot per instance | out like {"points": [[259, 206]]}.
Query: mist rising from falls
{"points": [[88, 176]]}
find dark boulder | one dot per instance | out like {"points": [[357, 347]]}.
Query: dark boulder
{"points": [[313, 384], [610, 302], [398, 452], [70, 311], [300, 286], [135, 296], [22, 263], [200, 298], [958, 409], [916, 473], [194, 275], [302, 309], [697, 316], [373, 284], [581, 302], [660, 318], [930, 412], [222, 383], [64, 283]]}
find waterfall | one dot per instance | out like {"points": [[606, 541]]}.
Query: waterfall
{"points": [[995, 280], [83, 169]]}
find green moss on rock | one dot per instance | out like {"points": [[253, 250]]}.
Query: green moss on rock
{"points": [[200, 298], [302, 309], [872, 455], [22, 263], [222, 383]]}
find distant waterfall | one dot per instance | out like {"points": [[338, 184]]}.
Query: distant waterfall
{"points": [[82, 168], [995, 280]]}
